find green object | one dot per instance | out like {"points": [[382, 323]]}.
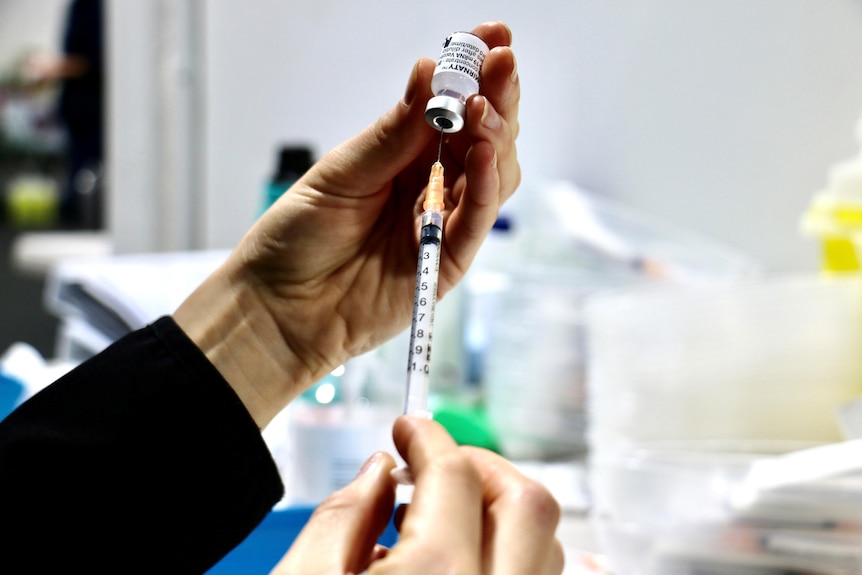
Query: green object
{"points": [[467, 424]]}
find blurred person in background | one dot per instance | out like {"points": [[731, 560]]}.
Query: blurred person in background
{"points": [[79, 70]]}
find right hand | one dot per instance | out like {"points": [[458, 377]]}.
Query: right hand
{"points": [[472, 512]]}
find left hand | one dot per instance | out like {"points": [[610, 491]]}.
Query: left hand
{"points": [[328, 272]]}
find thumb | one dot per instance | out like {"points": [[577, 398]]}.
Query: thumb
{"points": [[382, 150], [341, 535]]}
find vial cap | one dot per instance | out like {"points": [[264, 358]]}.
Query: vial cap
{"points": [[445, 113]]}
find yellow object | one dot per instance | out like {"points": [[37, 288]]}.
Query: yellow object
{"points": [[31, 201], [837, 222], [434, 197], [835, 215], [839, 255]]}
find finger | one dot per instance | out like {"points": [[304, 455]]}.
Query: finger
{"points": [[381, 151], [342, 533], [472, 219], [487, 124], [556, 560], [494, 34], [501, 84], [492, 174], [521, 519], [446, 492]]}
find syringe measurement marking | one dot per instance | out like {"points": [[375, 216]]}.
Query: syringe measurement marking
{"points": [[423, 312], [425, 296]]}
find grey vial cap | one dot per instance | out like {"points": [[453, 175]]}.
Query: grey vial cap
{"points": [[445, 113]]}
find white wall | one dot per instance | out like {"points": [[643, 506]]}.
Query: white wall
{"points": [[29, 25], [720, 115]]}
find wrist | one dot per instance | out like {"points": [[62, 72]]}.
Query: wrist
{"points": [[236, 333]]}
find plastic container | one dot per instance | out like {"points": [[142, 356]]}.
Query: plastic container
{"points": [[769, 359], [683, 508], [565, 246]]}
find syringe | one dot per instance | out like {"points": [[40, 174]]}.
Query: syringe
{"points": [[427, 271]]}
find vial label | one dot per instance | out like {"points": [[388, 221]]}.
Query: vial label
{"points": [[462, 53]]}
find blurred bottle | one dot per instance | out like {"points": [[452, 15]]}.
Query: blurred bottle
{"points": [[293, 162], [332, 428]]}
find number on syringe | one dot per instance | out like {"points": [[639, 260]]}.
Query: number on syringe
{"points": [[425, 368]]}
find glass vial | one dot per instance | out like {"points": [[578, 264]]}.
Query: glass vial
{"points": [[455, 79]]}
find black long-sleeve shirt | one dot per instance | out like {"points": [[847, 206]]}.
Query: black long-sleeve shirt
{"points": [[141, 460]]}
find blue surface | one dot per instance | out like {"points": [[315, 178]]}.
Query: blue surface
{"points": [[11, 392], [268, 543]]}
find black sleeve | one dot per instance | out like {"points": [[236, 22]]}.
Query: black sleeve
{"points": [[141, 460]]}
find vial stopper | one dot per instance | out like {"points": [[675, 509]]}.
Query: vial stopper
{"points": [[445, 113]]}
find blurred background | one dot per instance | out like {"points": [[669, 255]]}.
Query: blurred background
{"points": [[699, 133], [719, 116]]}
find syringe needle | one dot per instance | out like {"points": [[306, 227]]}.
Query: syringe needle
{"points": [[440, 147]]}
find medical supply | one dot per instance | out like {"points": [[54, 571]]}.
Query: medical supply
{"points": [[427, 271], [455, 79]]}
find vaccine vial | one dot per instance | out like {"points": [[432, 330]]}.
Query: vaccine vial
{"points": [[455, 79]]}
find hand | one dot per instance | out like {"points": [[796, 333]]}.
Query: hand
{"points": [[472, 512], [328, 272]]}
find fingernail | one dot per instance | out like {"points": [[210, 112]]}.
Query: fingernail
{"points": [[410, 91], [369, 463], [508, 30], [490, 118]]}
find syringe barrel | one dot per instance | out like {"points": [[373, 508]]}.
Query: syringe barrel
{"points": [[428, 268]]}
